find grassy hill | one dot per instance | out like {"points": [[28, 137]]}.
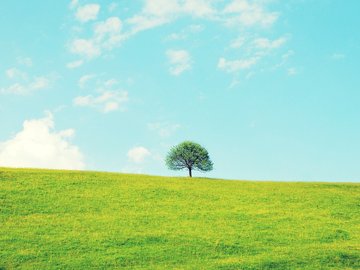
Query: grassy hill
{"points": [[81, 220]]}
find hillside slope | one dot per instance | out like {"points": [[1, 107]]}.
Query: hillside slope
{"points": [[81, 220]]}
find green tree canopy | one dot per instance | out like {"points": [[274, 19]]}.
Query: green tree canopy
{"points": [[189, 155]]}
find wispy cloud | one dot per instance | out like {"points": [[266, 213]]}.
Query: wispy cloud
{"points": [[84, 47], [246, 13], [84, 79], [236, 65], [105, 36], [25, 61], [185, 33], [105, 102], [108, 97], [264, 43], [21, 82], [37, 83], [241, 15], [163, 129], [237, 13], [338, 56], [73, 4], [238, 42], [292, 71], [16, 74], [179, 60], [155, 13], [252, 51], [87, 12], [74, 64], [113, 6]]}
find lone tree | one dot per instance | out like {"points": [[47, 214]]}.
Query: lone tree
{"points": [[189, 155]]}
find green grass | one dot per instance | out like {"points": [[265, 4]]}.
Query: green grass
{"points": [[82, 220]]}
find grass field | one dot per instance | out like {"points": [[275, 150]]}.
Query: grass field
{"points": [[82, 220]]}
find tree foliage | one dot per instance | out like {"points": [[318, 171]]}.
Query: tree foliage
{"points": [[189, 155]]}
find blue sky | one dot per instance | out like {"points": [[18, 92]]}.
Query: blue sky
{"points": [[271, 88]]}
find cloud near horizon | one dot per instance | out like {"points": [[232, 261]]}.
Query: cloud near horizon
{"points": [[138, 154], [38, 145]]}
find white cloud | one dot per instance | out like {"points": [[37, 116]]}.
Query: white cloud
{"points": [[85, 47], [292, 71], [236, 65], [106, 35], [185, 33], [253, 50], [159, 12], [164, 129], [237, 13], [237, 43], [107, 101], [111, 25], [173, 8], [39, 83], [264, 43], [25, 61], [37, 145], [87, 12], [198, 8], [112, 7], [196, 28], [235, 82], [74, 64], [14, 73], [242, 12], [73, 4], [110, 83], [161, 8], [111, 106], [180, 61], [176, 36], [108, 97], [284, 59], [16, 88], [142, 22], [287, 55], [22, 83], [138, 154], [84, 79], [338, 56]]}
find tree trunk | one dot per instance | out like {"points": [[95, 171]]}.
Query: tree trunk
{"points": [[190, 173]]}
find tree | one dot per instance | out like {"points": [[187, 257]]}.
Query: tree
{"points": [[189, 155]]}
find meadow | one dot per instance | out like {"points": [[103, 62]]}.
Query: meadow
{"points": [[93, 220]]}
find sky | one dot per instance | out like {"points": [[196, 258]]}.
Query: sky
{"points": [[270, 88]]}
